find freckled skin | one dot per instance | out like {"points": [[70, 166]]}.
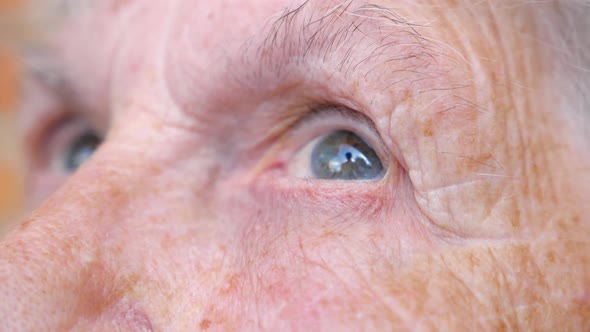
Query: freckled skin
{"points": [[177, 223]]}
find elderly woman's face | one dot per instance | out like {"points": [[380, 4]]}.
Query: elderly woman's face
{"points": [[278, 165]]}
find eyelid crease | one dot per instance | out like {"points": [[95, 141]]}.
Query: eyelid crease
{"points": [[331, 110]]}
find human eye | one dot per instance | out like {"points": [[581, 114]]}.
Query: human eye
{"points": [[68, 146], [59, 137], [334, 143]]}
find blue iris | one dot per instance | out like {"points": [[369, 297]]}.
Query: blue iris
{"points": [[343, 155]]}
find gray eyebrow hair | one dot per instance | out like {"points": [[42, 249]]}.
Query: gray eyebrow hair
{"points": [[369, 36], [352, 37]]}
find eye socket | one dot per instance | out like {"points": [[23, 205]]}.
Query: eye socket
{"points": [[79, 151], [57, 146], [60, 131], [343, 155]]}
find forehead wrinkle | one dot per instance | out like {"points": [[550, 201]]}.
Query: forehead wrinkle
{"points": [[349, 36]]}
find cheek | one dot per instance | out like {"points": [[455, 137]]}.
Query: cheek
{"points": [[303, 215], [308, 256]]}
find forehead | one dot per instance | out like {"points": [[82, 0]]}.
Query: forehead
{"points": [[226, 23], [265, 35]]}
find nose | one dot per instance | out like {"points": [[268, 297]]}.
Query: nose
{"points": [[58, 269]]}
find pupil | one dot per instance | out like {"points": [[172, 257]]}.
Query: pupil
{"points": [[348, 156]]}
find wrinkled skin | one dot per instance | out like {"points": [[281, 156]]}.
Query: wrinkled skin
{"points": [[189, 216]]}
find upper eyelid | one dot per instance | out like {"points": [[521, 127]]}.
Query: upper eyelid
{"points": [[46, 82], [41, 82], [362, 126], [345, 112], [44, 108], [39, 108]]}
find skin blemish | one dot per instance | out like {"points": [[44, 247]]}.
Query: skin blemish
{"points": [[118, 5], [124, 316], [205, 324]]}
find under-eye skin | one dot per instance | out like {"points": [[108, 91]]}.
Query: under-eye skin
{"points": [[343, 155]]}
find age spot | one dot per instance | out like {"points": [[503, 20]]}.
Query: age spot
{"points": [[117, 5]]}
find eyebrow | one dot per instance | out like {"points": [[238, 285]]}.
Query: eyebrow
{"points": [[350, 38]]}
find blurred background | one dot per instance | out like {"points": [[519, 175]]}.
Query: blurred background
{"points": [[11, 165]]}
